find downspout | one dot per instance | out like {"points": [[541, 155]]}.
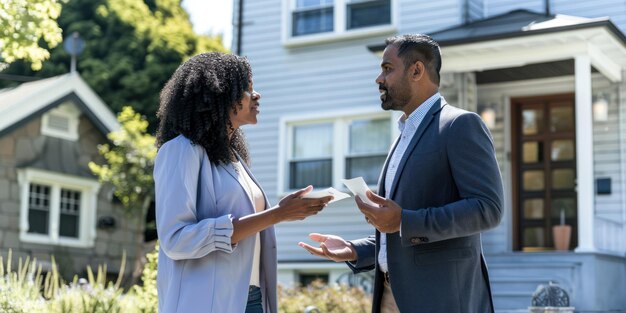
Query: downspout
{"points": [[466, 15], [239, 26]]}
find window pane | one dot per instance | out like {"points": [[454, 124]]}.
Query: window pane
{"points": [[38, 208], [532, 152], [309, 278], [370, 136], [313, 141], [532, 122], [368, 167], [69, 226], [567, 205], [312, 21], [533, 180], [563, 178], [316, 172], [561, 119], [369, 13], [533, 208], [562, 150], [312, 3], [70, 212], [533, 237]]}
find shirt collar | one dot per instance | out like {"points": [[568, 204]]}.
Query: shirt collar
{"points": [[418, 115]]}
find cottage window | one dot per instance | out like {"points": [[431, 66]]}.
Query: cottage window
{"points": [[321, 152], [57, 208]]}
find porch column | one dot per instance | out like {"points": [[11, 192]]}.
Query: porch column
{"points": [[584, 154]]}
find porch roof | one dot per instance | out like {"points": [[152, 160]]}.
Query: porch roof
{"points": [[522, 37]]}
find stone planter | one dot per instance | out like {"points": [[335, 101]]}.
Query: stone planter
{"points": [[550, 309]]}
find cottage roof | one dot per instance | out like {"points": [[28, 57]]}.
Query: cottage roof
{"points": [[28, 100]]}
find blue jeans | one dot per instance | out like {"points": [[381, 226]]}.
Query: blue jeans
{"points": [[255, 304]]}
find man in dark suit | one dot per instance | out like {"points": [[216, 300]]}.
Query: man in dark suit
{"points": [[439, 189]]}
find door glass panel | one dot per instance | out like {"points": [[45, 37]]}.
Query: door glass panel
{"points": [[533, 208], [562, 150], [563, 178], [561, 119], [532, 152], [567, 205], [533, 237], [533, 180], [532, 122]]}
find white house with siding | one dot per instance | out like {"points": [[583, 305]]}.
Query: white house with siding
{"points": [[546, 76]]}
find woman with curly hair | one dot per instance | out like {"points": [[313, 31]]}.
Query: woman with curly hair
{"points": [[215, 225]]}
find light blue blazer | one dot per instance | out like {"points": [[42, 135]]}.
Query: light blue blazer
{"points": [[196, 200]]}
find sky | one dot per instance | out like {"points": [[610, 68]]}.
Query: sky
{"points": [[211, 17]]}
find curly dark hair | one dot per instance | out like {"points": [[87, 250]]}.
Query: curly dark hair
{"points": [[197, 100]]}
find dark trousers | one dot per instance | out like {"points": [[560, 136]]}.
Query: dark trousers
{"points": [[255, 304]]}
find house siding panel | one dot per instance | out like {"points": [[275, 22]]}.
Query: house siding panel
{"points": [[326, 77], [497, 7], [311, 79]]}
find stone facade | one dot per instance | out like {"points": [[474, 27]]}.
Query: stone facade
{"points": [[21, 146]]}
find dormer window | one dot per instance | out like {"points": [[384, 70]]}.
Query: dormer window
{"points": [[315, 21], [61, 122]]}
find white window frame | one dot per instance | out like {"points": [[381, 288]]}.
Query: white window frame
{"points": [[339, 33], [66, 110], [56, 181], [341, 120]]}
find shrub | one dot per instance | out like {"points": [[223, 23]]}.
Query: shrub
{"points": [[147, 292], [326, 298], [20, 290], [27, 291]]}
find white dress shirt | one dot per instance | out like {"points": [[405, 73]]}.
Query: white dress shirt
{"points": [[408, 126]]}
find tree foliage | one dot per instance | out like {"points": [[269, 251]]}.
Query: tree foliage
{"points": [[23, 23], [132, 47], [129, 162]]}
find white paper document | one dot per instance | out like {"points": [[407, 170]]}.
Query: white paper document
{"points": [[337, 195], [358, 187]]}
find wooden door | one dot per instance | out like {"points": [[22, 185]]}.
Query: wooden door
{"points": [[544, 169]]}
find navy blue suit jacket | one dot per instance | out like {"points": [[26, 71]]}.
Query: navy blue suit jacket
{"points": [[449, 187]]}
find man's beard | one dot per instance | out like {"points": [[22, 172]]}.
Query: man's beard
{"points": [[393, 100]]}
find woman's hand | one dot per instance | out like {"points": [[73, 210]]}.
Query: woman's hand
{"points": [[294, 208]]}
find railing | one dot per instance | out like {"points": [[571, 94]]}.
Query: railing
{"points": [[610, 235]]}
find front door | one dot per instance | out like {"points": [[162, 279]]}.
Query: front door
{"points": [[544, 170]]}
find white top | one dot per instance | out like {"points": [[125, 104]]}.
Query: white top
{"points": [[256, 196]]}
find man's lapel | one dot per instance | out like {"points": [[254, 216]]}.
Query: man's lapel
{"points": [[428, 119]]}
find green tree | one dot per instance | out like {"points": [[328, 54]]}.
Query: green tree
{"points": [[128, 167], [23, 23], [129, 163], [131, 49]]}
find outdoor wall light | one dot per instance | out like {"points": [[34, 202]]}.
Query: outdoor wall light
{"points": [[600, 109], [106, 222], [488, 114]]}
